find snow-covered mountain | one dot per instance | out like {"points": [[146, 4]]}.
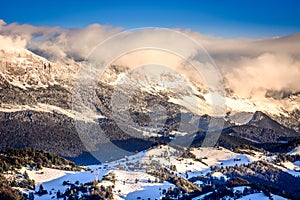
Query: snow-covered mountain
{"points": [[37, 94], [22, 69]]}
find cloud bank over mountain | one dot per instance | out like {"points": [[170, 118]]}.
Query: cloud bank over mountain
{"points": [[55, 42], [250, 67]]}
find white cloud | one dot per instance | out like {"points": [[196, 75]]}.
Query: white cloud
{"points": [[250, 67], [254, 76], [7, 42], [58, 43]]}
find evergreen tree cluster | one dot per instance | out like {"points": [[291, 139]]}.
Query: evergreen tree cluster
{"points": [[11, 159]]}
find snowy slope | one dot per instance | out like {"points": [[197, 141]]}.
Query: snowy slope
{"points": [[143, 189], [165, 156], [26, 70], [130, 168], [255, 196], [52, 179], [126, 186], [41, 107], [295, 151], [261, 196]]}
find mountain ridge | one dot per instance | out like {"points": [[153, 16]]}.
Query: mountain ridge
{"points": [[45, 106]]}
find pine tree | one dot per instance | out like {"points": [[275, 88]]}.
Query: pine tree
{"points": [[41, 188], [26, 175]]}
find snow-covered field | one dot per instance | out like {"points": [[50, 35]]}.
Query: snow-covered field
{"points": [[295, 151], [166, 156], [131, 190], [45, 175], [126, 186], [133, 167], [255, 196], [261, 196], [52, 179]]}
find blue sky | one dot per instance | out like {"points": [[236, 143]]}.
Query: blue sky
{"points": [[222, 18]]}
